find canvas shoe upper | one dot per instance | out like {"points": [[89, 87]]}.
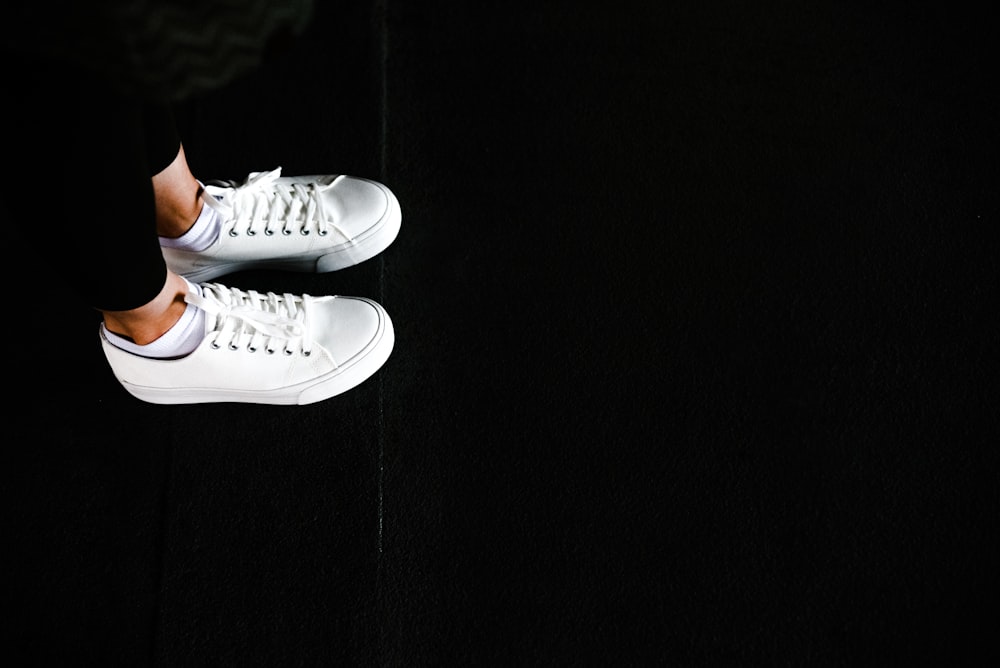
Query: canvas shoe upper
{"points": [[299, 223], [264, 348]]}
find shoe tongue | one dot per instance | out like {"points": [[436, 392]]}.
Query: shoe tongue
{"points": [[193, 287], [209, 319], [252, 314], [263, 178]]}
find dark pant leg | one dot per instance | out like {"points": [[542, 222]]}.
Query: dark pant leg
{"points": [[161, 137], [79, 188]]}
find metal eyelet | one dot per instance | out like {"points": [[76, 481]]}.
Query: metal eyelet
{"points": [[234, 233], [286, 232], [251, 233], [304, 232], [269, 351], [233, 347], [251, 349], [215, 345], [307, 353], [288, 353], [323, 232], [268, 233]]}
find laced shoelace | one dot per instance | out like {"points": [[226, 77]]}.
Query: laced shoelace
{"points": [[267, 322], [263, 205]]}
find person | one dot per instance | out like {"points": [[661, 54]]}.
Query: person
{"points": [[154, 261]]}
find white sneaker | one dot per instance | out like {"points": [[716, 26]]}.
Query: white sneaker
{"points": [[298, 223], [264, 348]]}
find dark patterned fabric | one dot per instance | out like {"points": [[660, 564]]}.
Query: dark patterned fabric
{"points": [[165, 50]]}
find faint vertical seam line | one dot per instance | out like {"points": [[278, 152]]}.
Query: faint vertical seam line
{"points": [[383, 136], [382, 10], [162, 541]]}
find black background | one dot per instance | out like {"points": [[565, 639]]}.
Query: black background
{"points": [[693, 311]]}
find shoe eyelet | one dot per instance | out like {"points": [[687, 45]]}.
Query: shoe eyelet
{"points": [[288, 353], [251, 349], [307, 353], [323, 233], [215, 345], [269, 351], [304, 232], [268, 233], [251, 233], [234, 233], [286, 232], [234, 348]]}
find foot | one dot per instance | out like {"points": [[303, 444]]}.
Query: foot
{"points": [[263, 348], [304, 223]]}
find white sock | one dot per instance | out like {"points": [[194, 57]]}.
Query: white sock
{"points": [[202, 234], [180, 340]]}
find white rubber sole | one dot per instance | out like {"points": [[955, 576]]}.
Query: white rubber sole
{"points": [[347, 376]]}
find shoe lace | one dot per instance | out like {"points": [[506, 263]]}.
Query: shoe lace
{"points": [[267, 321], [263, 204]]}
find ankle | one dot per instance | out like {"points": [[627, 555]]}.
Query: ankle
{"points": [[177, 213], [145, 324], [202, 234], [178, 198]]}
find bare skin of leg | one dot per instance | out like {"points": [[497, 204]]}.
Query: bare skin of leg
{"points": [[151, 320], [178, 204], [178, 198]]}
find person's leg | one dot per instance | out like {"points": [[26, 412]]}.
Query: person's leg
{"points": [[177, 194], [78, 186], [174, 193], [85, 192], [148, 322], [207, 342]]}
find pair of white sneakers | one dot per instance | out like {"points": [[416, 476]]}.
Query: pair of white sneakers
{"points": [[266, 347]]}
